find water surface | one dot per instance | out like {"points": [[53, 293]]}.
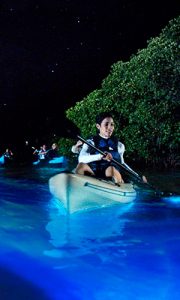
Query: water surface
{"points": [[129, 251]]}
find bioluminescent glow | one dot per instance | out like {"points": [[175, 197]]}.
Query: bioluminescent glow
{"points": [[2, 160], [56, 160], [126, 251], [173, 199]]}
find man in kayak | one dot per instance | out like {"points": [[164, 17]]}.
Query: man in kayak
{"points": [[93, 163]]}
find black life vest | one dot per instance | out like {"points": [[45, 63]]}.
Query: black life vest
{"points": [[106, 145]]}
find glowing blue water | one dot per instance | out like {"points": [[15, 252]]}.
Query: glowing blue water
{"points": [[122, 252]]}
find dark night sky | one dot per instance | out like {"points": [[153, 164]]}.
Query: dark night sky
{"points": [[55, 52]]}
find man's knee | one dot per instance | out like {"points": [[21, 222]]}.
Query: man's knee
{"points": [[80, 168]]}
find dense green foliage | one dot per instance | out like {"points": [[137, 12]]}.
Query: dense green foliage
{"points": [[143, 95]]}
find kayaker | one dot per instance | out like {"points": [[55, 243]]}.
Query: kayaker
{"points": [[95, 164], [42, 152], [8, 153], [8, 156], [53, 152]]}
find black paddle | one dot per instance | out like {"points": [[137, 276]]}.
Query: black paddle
{"points": [[129, 172]]}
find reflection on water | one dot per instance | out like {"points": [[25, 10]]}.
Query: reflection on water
{"points": [[129, 251], [79, 231]]}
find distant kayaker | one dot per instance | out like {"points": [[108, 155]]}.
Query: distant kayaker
{"points": [[93, 163], [8, 156], [53, 152], [8, 153], [42, 152]]}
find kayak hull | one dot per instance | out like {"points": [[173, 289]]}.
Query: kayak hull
{"points": [[79, 192]]}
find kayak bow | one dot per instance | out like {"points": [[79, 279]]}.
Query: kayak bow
{"points": [[79, 192]]}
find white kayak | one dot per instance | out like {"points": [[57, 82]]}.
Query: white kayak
{"points": [[79, 192]]}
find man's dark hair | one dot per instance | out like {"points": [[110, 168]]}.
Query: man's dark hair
{"points": [[103, 115]]}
